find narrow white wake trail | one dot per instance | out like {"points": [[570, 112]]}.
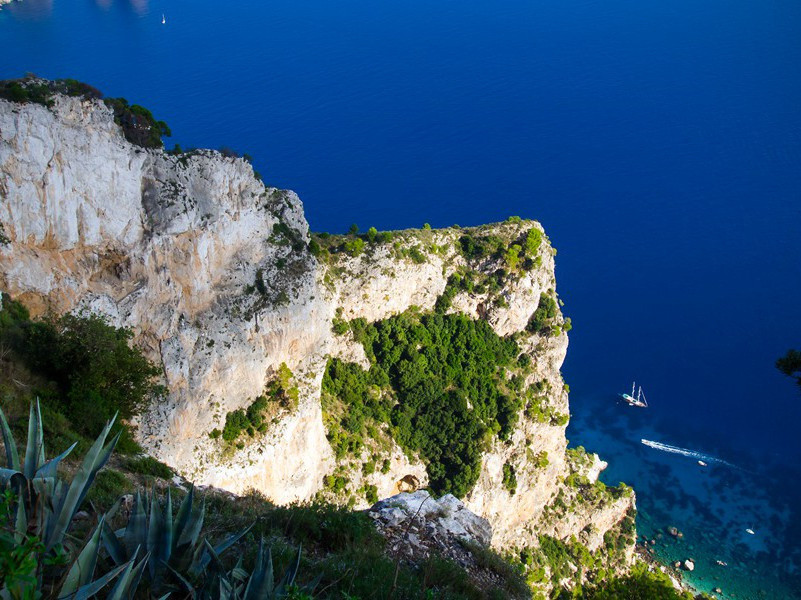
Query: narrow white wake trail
{"points": [[686, 452]]}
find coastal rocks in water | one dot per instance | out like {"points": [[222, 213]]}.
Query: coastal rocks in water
{"points": [[673, 531], [689, 565]]}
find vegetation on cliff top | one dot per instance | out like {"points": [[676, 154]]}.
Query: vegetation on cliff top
{"points": [[138, 124]]}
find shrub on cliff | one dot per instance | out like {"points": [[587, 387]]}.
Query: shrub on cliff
{"points": [[139, 126], [446, 373], [94, 370]]}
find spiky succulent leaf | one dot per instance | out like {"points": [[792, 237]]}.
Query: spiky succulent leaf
{"points": [[113, 546], [34, 451], [260, 583], [50, 468], [191, 532], [94, 587], [12, 456], [95, 459], [129, 580], [182, 519], [83, 568], [136, 531]]}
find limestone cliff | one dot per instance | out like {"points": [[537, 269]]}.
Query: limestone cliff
{"points": [[212, 271]]}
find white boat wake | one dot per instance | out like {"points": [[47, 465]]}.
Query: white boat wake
{"points": [[685, 452]]}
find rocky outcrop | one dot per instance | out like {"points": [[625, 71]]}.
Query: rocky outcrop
{"points": [[212, 270], [418, 523]]}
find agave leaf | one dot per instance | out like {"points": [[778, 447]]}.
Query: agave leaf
{"points": [[112, 512], [231, 540], [49, 468], [113, 546], [163, 548], [213, 557], [189, 587], [291, 572], [183, 516], [136, 531], [259, 586], [129, 580], [83, 568], [191, 533], [90, 589], [34, 451], [167, 539], [238, 573], [155, 526], [12, 456], [12, 477], [94, 460]]}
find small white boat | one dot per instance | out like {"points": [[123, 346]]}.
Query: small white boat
{"points": [[632, 401], [722, 563], [702, 463], [163, 19], [751, 531]]}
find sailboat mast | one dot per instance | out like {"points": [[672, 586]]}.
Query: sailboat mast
{"points": [[632, 388]]}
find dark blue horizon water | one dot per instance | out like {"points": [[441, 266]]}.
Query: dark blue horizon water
{"points": [[658, 142]]}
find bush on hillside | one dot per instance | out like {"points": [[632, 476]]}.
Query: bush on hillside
{"points": [[95, 370]]}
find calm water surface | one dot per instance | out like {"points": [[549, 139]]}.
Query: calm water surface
{"points": [[659, 142]]}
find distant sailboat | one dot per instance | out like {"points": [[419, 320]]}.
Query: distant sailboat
{"points": [[639, 400], [163, 19]]}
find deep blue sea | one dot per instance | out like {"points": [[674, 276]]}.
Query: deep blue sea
{"points": [[658, 141]]}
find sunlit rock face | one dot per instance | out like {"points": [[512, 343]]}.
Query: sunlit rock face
{"points": [[211, 270]]}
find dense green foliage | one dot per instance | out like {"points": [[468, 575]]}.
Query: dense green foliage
{"points": [[543, 317], [40, 91], [439, 381], [138, 124], [92, 370], [640, 584], [790, 365]]}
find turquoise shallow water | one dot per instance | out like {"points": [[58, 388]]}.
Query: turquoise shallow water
{"points": [[712, 506], [658, 141]]}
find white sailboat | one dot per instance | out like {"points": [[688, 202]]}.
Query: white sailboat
{"points": [[163, 19], [639, 400]]}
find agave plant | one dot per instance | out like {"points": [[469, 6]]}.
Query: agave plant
{"points": [[177, 554], [238, 584], [44, 507]]}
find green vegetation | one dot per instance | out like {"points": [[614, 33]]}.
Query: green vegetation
{"points": [[640, 584], [477, 246], [790, 365], [280, 392], [82, 368], [438, 381], [138, 124], [509, 478], [542, 319], [41, 91], [147, 465]]}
